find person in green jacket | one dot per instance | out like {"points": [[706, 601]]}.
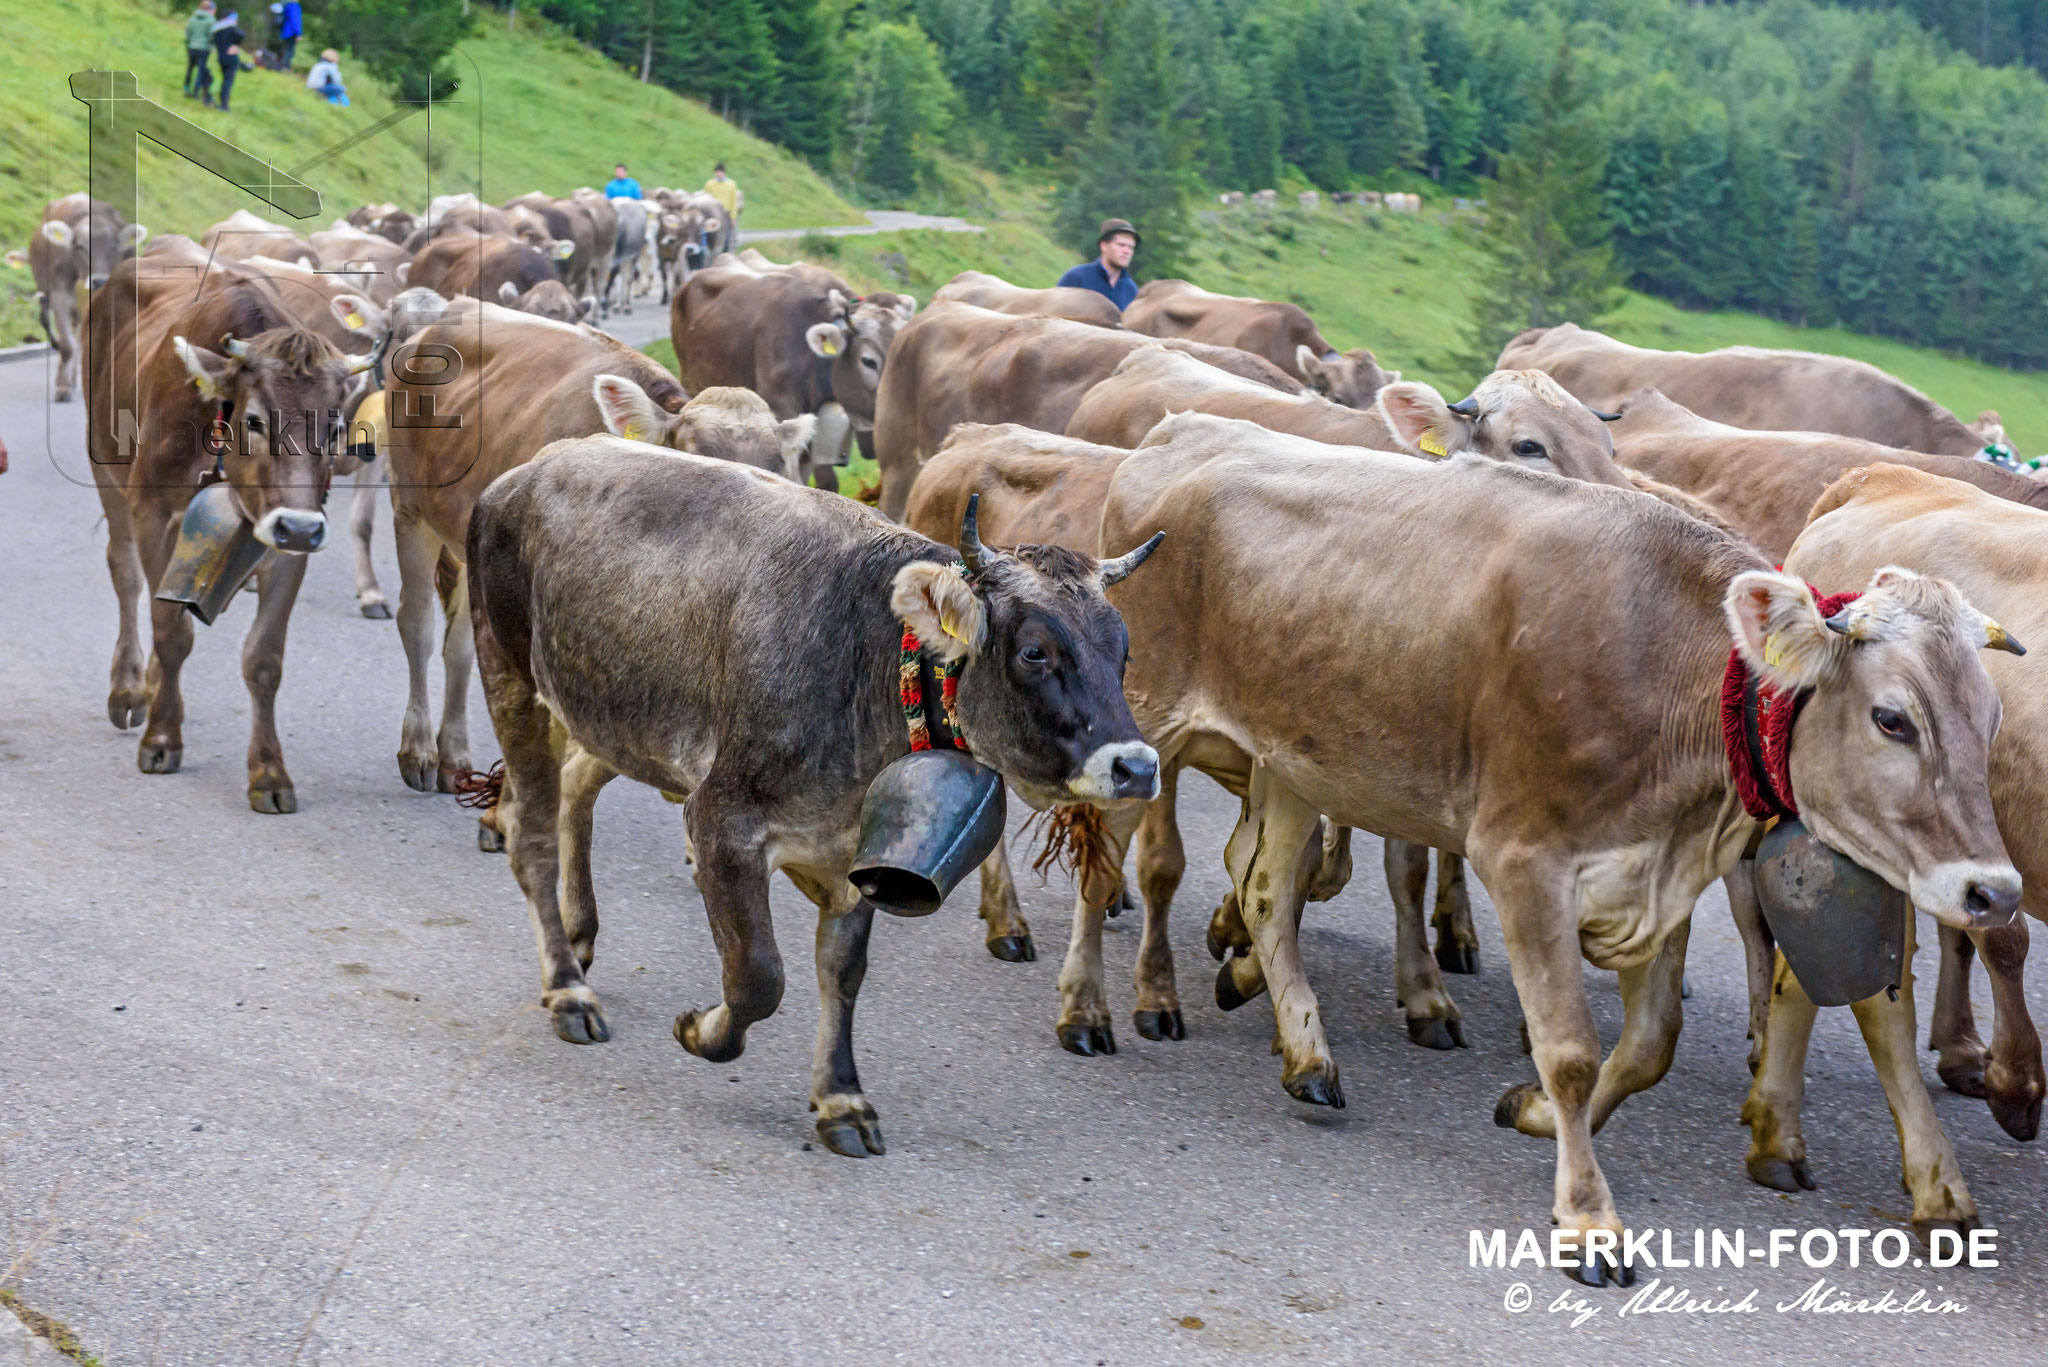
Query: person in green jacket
{"points": [[198, 44]]}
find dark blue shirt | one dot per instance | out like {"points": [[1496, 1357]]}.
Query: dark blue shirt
{"points": [[1089, 275]]}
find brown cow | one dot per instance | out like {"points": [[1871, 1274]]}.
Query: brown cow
{"points": [[1385, 640], [798, 336], [1061, 301], [180, 382], [500, 269], [76, 246], [1989, 548], [573, 222], [1763, 483], [520, 382], [386, 220], [372, 265], [1765, 391], [959, 363], [242, 235], [1282, 333]]}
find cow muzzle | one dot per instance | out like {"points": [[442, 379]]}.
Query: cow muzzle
{"points": [[294, 531], [1127, 771], [1968, 894]]}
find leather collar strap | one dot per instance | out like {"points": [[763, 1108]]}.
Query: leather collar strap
{"points": [[1756, 729]]}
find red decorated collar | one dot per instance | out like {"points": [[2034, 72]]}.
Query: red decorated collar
{"points": [[1756, 729]]}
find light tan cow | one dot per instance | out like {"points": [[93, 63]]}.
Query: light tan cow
{"points": [[1992, 550], [1387, 641], [519, 382], [371, 263], [1766, 391], [958, 363], [242, 235], [1060, 301], [76, 245], [1282, 333]]}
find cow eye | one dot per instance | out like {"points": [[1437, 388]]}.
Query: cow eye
{"points": [[1896, 725], [1525, 447], [255, 424], [1033, 655], [871, 363]]}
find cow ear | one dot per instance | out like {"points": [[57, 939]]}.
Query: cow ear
{"points": [[934, 601], [1420, 419], [508, 293], [208, 369], [132, 236], [712, 224], [400, 275], [356, 313], [57, 233], [794, 435], [562, 248], [1311, 367], [627, 411], [906, 304], [1780, 632], [826, 339], [18, 259], [586, 306]]}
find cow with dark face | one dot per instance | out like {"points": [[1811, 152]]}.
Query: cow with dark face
{"points": [[721, 633], [232, 382], [78, 243]]}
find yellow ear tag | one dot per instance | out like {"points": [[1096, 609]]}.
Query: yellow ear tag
{"points": [[354, 320], [1430, 444], [831, 346], [1774, 655], [632, 432]]}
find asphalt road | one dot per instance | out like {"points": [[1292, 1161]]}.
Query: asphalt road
{"points": [[277, 1089]]}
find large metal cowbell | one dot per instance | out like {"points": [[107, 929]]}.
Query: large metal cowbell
{"points": [[1841, 928]]}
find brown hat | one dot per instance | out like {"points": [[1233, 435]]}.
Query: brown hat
{"points": [[1113, 226]]}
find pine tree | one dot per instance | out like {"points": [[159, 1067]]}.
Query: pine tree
{"points": [[1549, 258], [803, 112]]}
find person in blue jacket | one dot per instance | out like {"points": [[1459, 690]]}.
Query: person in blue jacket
{"points": [[291, 25], [621, 185], [1109, 274]]}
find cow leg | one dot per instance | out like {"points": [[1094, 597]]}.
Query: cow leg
{"points": [[162, 748], [127, 697], [1161, 862], [1433, 1019], [362, 522], [270, 787], [528, 809], [1242, 977], [418, 549], [583, 777], [1083, 1026], [732, 874], [847, 1123], [1007, 935], [1265, 855], [1777, 1090], [458, 653], [2013, 1082], [1333, 875], [1953, 1032], [1539, 922], [61, 324], [1653, 1012], [1759, 953], [1457, 943]]}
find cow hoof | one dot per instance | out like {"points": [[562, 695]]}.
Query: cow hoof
{"points": [[1218, 950], [63, 396], [1436, 1034], [1779, 1174], [1453, 957], [1923, 1230], [278, 801], [581, 1023], [1317, 1089], [159, 757], [1014, 949], [1684, 988], [1530, 1049], [1965, 1075], [1228, 998], [376, 609], [2017, 1111], [1508, 1110], [419, 772], [447, 777], [1160, 1024], [688, 1035], [1120, 904], [852, 1136], [1087, 1040], [488, 840], [1602, 1269], [127, 711]]}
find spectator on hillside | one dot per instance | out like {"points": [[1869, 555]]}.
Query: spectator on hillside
{"points": [[1109, 275], [231, 62], [198, 43], [291, 24], [227, 35], [325, 77], [621, 185]]}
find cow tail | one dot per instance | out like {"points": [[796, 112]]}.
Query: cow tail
{"points": [[480, 789], [1077, 842]]}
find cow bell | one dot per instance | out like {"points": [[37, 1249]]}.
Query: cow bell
{"points": [[217, 549], [1842, 928], [927, 820]]}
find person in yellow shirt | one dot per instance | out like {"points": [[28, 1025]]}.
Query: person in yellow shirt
{"points": [[727, 192]]}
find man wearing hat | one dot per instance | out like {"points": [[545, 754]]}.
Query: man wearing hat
{"points": [[1110, 274]]}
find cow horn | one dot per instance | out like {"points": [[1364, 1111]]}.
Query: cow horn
{"points": [[1467, 407], [972, 552], [234, 346], [1997, 637], [1841, 623], [1604, 417], [1117, 570]]}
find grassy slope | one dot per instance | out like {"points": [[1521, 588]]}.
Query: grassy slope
{"points": [[539, 112]]}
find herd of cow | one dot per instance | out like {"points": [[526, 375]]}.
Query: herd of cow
{"points": [[1505, 628]]}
